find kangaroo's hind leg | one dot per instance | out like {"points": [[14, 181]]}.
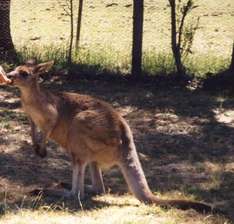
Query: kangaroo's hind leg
{"points": [[78, 175], [77, 191]]}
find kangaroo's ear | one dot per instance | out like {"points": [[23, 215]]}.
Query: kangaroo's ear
{"points": [[31, 62], [43, 67]]}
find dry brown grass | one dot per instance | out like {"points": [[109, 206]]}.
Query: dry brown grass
{"points": [[111, 26], [107, 33]]}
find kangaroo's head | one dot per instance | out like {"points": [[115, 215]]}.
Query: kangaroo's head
{"points": [[28, 74]]}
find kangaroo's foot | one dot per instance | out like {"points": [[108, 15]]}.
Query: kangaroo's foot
{"points": [[62, 193], [91, 190], [40, 150]]}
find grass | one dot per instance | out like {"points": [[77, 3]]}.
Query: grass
{"points": [[125, 210], [107, 60], [206, 65], [43, 31], [7, 116]]}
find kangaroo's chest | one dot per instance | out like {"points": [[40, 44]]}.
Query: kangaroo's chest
{"points": [[43, 116]]}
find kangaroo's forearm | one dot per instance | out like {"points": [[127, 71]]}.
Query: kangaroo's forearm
{"points": [[38, 140]]}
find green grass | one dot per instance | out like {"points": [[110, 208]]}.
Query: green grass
{"points": [[206, 65], [107, 60]]}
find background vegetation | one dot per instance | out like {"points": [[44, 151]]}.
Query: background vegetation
{"points": [[106, 34]]}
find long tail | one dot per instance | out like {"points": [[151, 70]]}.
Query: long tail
{"points": [[137, 183]]}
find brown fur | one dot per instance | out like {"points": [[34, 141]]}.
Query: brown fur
{"points": [[92, 132]]}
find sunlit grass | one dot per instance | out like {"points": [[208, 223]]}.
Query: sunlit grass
{"points": [[204, 65], [98, 60], [124, 209], [106, 36], [161, 63]]}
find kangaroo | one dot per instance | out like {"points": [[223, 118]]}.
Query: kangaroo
{"points": [[91, 131]]}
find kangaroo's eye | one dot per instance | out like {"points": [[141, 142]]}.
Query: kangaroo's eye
{"points": [[24, 74]]}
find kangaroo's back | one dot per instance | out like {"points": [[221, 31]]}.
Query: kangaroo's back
{"points": [[86, 116]]}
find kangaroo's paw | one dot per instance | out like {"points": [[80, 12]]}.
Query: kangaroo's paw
{"points": [[63, 185], [72, 195], [39, 150]]}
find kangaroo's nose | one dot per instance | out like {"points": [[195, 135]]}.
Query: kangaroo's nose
{"points": [[11, 75]]}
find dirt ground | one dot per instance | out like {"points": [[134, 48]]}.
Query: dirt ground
{"points": [[184, 138]]}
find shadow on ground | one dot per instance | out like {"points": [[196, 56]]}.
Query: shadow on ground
{"points": [[182, 144]]}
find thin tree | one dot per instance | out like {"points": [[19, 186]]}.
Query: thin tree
{"points": [[138, 17], [182, 36], [69, 57], [7, 50], [176, 42], [231, 66], [68, 8], [78, 27]]}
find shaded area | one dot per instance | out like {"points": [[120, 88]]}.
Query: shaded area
{"points": [[181, 143], [223, 81]]}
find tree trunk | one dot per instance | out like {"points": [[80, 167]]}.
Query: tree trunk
{"points": [[231, 67], [174, 42], [78, 28], [138, 17], [69, 56], [7, 50]]}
